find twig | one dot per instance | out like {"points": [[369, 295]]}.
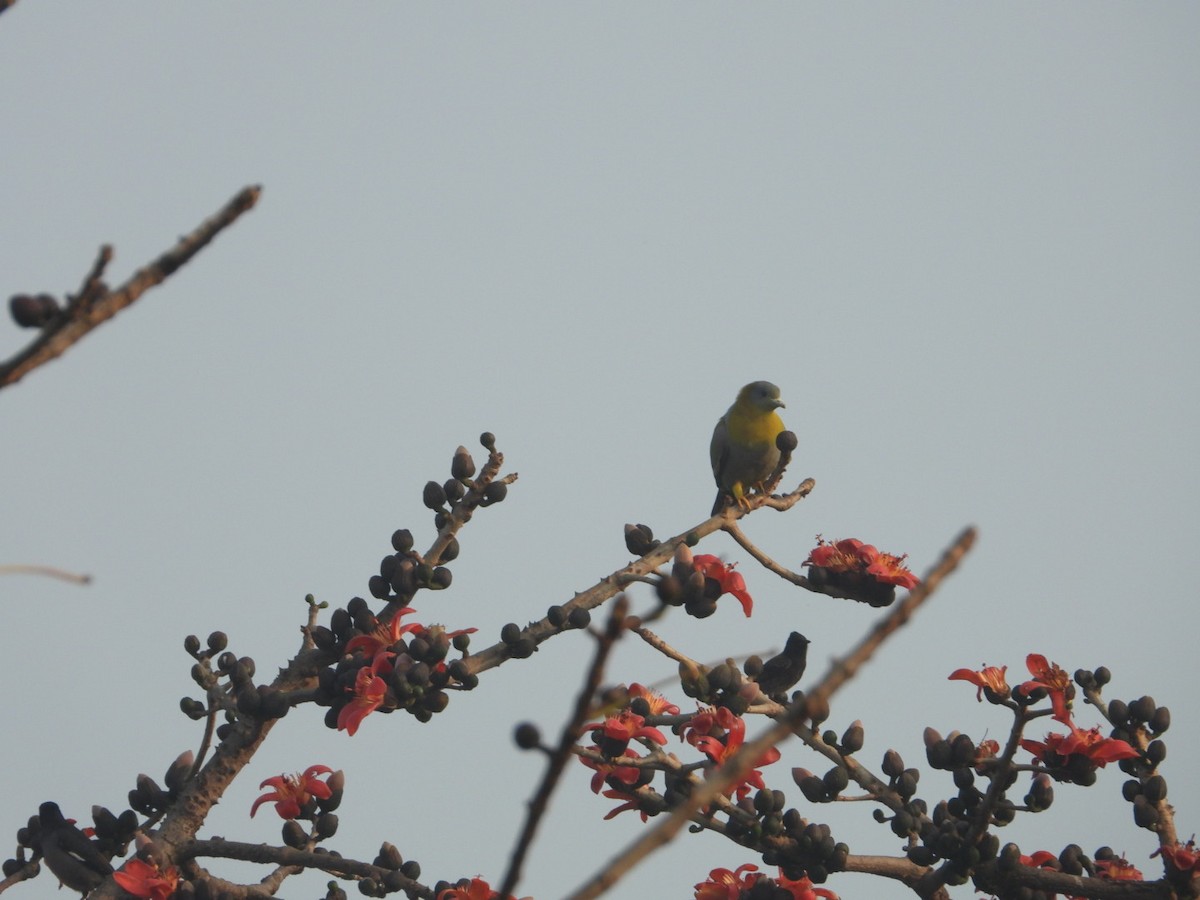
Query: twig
{"points": [[49, 571], [92, 305]]}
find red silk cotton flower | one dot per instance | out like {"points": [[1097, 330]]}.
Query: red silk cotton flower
{"points": [[291, 792], [858, 571], [145, 880], [988, 678], [728, 578]]}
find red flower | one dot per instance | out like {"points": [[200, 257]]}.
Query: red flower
{"points": [[723, 884], [607, 773], [377, 642], [720, 751], [1184, 858], [988, 678], [293, 791], [614, 733], [1041, 859], [630, 805], [1056, 750], [1056, 682], [710, 720], [1117, 869], [846, 555], [802, 889], [476, 889], [369, 693], [890, 569], [143, 879], [859, 570], [729, 580]]}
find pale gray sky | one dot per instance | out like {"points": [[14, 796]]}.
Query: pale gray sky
{"points": [[962, 238]]}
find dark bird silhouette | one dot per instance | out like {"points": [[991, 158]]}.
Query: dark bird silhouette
{"points": [[69, 853], [781, 672]]}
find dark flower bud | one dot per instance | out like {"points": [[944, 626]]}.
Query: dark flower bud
{"points": [[921, 855], [191, 644], [454, 490], [939, 755], [1041, 793], [327, 825], [786, 441], [720, 676], [404, 580], [33, 311], [1144, 813], [178, 772], [1155, 788], [1118, 712], [388, 857], [434, 496], [962, 750], [411, 869], [906, 783], [435, 701], [322, 637], [11, 867], [340, 623], [1102, 675], [294, 835], [852, 737], [273, 703], [218, 641], [836, 780], [510, 633], [579, 617], [495, 492], [1131, 789], [813, 789], [441, 578], [193, 709], [1156, 752], [1084, 678], [423, 573], [1161, 720], [753, 666], [462, 466], [1081, 770], [1142, 709], [402, 540], [224, 730], [527, 736], [893, 764], [488, 440], [639, 539], [557, 616], [670, 590]]}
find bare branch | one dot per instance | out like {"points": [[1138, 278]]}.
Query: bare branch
{"points": [[94, 304]]}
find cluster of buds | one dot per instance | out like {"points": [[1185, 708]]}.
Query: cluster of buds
{"points": [[696, 582]]}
